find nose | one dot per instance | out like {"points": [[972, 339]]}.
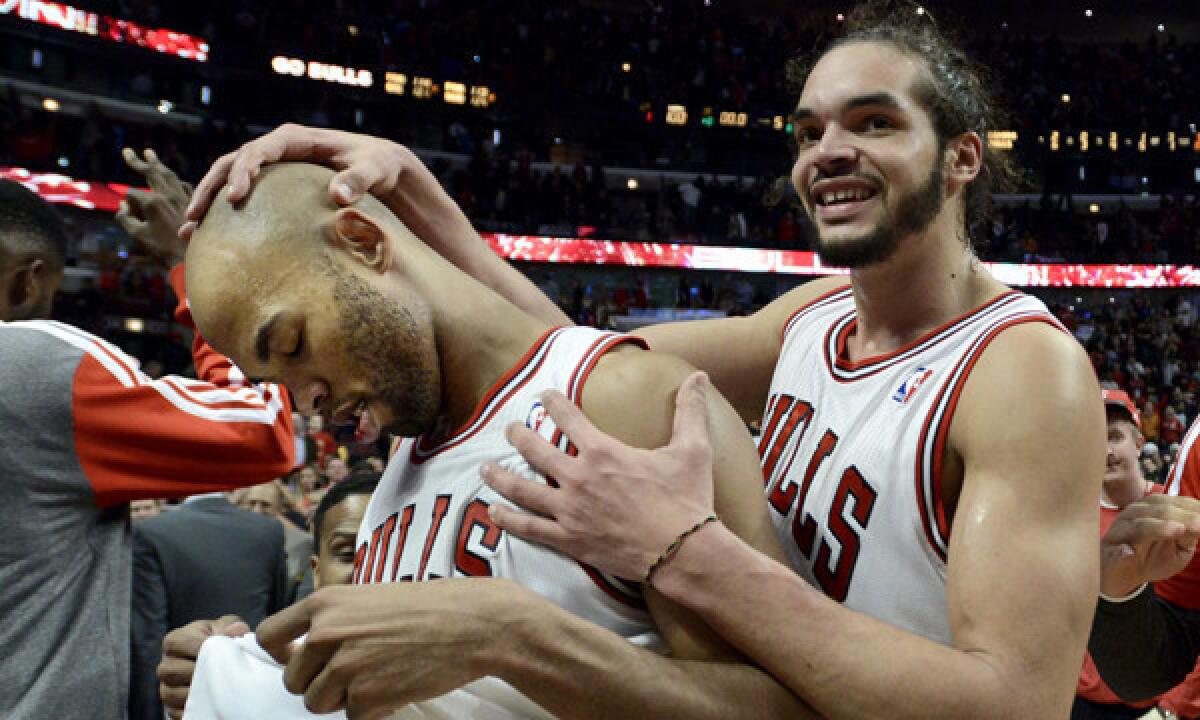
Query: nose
{"points": [[833, 151]]}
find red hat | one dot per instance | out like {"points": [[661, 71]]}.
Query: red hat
{"points": [[1121, 399]]}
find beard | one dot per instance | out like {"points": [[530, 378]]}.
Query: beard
{"points": [[914, 212], [383, 341]]}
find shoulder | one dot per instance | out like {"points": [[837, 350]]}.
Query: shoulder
{"points": [[1032, 388], [631, 395]]}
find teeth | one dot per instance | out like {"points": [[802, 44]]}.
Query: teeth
{"points": [[827, 198]]}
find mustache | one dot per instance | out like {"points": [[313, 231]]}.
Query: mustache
{"points": [[872, 178]]}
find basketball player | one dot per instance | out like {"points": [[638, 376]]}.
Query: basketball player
{"points": [[932, 440], [385, 333], [84, 433]]}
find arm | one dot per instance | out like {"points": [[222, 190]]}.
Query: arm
{"points": [[142, 438], [1145, 645], [398, 178], [632, 396], [744, 376], [148, 627], [1024, 531]]}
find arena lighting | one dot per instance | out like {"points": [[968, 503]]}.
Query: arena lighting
{"points": [[1001, 139], [314, 70], [35, 60], [205, 95], [422, 87], [165, 106], [840, 17], [394, 83], [1094, 208], [1162, 28], [135, 325], [632, 183], [1087, 13], [71, 19], [1066, 98], [106, 197], [50, 105], [920, 10], [626, 67]]}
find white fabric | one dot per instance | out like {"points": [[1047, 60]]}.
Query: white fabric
{"points": [[236, 679], [852, 455]]}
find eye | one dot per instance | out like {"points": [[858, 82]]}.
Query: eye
{"points": [[876, 123]]}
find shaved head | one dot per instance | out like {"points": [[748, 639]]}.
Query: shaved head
{"points": [[299, 290]]}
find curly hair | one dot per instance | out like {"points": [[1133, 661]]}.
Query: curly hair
{"points": [[955, 91]]}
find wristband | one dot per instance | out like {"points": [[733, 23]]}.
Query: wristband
{"points": [[1124, 598], [674, 546]]}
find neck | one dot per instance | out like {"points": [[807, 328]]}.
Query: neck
{"points": [[1123, 494], [932, 278], [480, 336]]}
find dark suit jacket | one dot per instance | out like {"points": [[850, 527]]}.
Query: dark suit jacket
{"points": [[202, 560]]}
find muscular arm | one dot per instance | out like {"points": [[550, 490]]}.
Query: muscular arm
{"points": [[575, 669], [739, 354], [1144, 646], [1022, 564]]}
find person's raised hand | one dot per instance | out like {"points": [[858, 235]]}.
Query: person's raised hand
{"points": [[1151, 540], [363, 164], [180, 649], [611, 506], [153, 217]]}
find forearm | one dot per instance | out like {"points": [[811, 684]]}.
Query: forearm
{"points": [[575, 669], [1144, 646], [842, 663]]}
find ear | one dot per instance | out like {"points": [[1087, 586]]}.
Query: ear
{"points": [[25, 288], [964, 159], [361, 235]]}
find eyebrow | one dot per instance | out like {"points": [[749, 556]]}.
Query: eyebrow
{"points": [[884, 99], [263, 338]]}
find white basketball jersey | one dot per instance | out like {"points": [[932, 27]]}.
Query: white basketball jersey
{"points": [[852, 455], [429, 516]]}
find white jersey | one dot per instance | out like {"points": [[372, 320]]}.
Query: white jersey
{"points": [[428, 518], [852, 455]]}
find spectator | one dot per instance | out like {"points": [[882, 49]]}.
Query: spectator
{"points": [[272, 500], [205, 559], [336, 470], [147, 508], [1171, 430]]}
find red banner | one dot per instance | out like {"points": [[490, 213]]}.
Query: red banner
{"points": [[65, 17], [107, 197]]}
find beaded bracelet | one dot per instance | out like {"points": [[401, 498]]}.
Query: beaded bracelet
{"points": [[674, 546]]}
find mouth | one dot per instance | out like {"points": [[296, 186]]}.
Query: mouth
{"points": [[359, 415], [841, 199]]}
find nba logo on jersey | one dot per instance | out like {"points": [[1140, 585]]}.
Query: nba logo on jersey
{"points": [[535, 418], [909, 387]]}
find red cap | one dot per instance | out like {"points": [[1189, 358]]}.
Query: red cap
{"points": [[1121, 399]]}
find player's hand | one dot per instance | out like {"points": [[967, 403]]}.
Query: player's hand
{"points": [[154, 217], [180, 649], [371, 649], [1152, 539], [364, 164], [616, 507]]}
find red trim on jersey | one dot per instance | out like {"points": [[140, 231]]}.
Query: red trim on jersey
{"points": [[810, 305], [929, 490], [598, 349], [424, 447], [844, 370], [623, 591]]}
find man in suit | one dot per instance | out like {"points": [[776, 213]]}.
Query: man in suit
{"points": [[205, 559]]}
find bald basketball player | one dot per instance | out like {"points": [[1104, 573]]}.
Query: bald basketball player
{"points": [[367, 324]]}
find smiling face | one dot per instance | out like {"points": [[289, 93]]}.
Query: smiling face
{"points": [[869, 164], [285, 287]]}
